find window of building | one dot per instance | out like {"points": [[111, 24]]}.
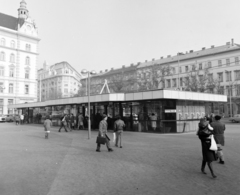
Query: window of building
{"points": [[200, 66], [174, 82], [11, 72], [236, 60], [186, 81], [173, 70], [26, 89], [220, 77], [209, 64], [26, 74], [186, 68], [221, 90], [229, 90], [2, 56], [210, 77], [1, 87], [180, 69], [200, 78], [228, 62], [181, 82], [237, 89], [27, 61], [3, 42], [229, 76], [65, 85], [28, 47], [65, 90], [10, 89], [237, 75], [1, 71], [12, 58], [10, 110], [12, 44], [219, 62], [193, 67]]}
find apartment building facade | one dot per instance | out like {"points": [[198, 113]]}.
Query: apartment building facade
{"points": [[57, 81], [18, 59]]}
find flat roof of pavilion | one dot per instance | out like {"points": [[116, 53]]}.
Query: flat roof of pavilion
{"points": [[123, 97]]}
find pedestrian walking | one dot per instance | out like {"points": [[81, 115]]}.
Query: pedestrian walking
{"points": [[80, 122], [22, 118], [17, 119], [63, 123], [218, 132], [153, 119], [47, 126], [103, 134], [204, 132], [118, 129], [72, 122]]}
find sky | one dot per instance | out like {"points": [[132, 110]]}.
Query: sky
{"points": [[104, 34]]}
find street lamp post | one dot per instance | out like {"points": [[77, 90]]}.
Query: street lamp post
{"points": [[84, 72]]}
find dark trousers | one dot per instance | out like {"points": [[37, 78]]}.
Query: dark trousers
{"points": [[62, 125], [118, 137]]}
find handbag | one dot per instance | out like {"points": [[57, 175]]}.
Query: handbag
{"points": [[114, 137], [213, 146], [101, 140]]}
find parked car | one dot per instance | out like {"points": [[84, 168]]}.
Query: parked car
{"points": [[10, 118], [2, 118], [235, 118]]}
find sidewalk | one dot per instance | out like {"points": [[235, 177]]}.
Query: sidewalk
{"points": [[67, 164]]}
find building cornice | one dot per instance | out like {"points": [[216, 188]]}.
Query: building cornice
{"points": [[18, 33]]}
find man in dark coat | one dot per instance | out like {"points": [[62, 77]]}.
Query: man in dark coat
{"points": [[218, 132], [103, 133]]}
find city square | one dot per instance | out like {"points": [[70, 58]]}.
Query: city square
{"points": [[148, 163]]}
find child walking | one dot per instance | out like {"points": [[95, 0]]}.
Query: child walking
{"points": [[47, 126]]}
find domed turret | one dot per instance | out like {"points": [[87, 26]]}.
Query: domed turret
{"points": [[22, 11]]}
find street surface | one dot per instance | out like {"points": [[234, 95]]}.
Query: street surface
{"points": [[148, 164]]}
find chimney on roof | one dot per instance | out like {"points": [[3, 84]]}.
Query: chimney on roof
{"points": [[228, 43], [106, 70], [111, 68], [203, 48], [212, 46], [132, 64], [145, 60], [186, 52], [232, 42], [161, 57], [190, 51], [169, 56], [123, 66], [153, 59], [100, 71], [139, 63]]}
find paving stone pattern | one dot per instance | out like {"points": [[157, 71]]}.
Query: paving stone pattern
{"points": [[154, 164]]}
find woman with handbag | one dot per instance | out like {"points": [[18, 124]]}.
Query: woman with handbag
{"points": [[102, 134], [204, 132]]}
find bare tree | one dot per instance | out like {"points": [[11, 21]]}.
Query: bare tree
{"points": [[154, 76]]}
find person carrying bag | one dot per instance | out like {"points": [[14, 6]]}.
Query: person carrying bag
{"points": [[102, 135]]}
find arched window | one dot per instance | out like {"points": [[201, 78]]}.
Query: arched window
{"points": [[12, 58], [12, 44], [2, 56], [3, 42], [27, 61]]}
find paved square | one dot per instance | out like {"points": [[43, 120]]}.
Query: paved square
{"points": [[67, 164]]}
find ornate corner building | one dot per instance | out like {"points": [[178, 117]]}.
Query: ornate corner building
{"points": [[57, 81], [18, 59]]}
